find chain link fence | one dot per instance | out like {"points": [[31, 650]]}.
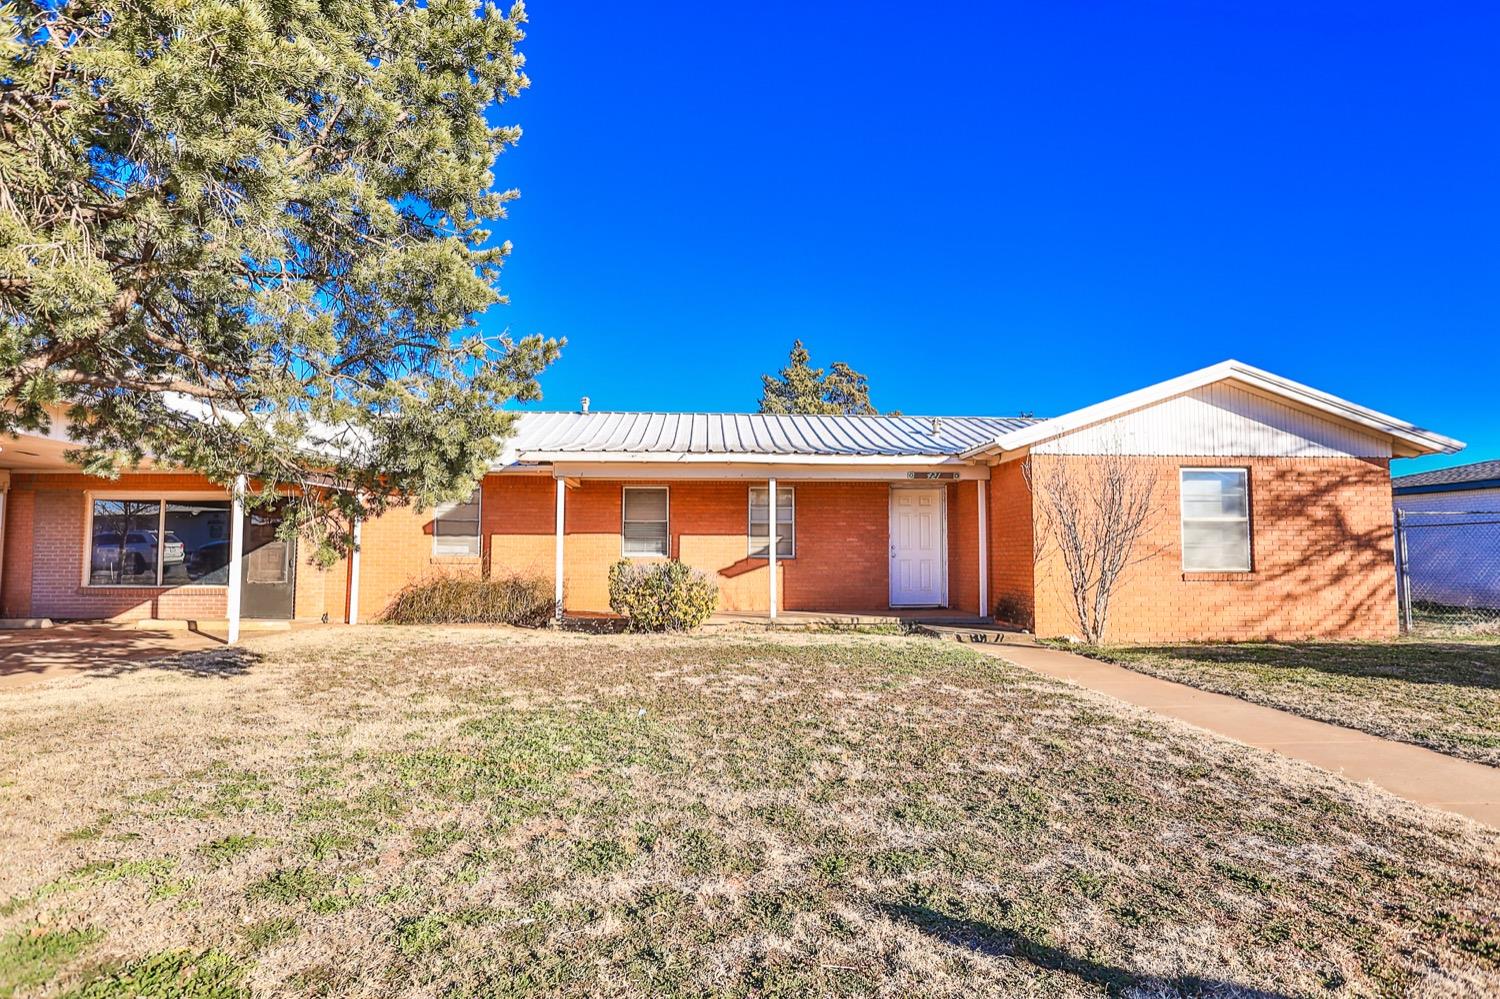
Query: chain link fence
{"points": [[1448, 572]]}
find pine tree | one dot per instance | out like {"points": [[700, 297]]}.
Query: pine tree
{"points": [[801, 388], [251, 237]]}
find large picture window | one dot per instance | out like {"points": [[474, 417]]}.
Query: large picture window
{"points": [[643, 528], [1215, 520], [760, 523], [455, 528], [158, 542]]}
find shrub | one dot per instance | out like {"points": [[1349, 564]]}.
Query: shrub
{"points": [[661, 596], [521, 600]]}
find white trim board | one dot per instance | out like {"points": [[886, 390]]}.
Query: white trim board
{"points": [[1407, 439]]}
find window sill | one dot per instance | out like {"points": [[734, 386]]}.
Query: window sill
{"points": [[1239, 576], [152, 587], [456, 559]]}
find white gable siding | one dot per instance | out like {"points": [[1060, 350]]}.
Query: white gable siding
{"points": [[1220, 420]]}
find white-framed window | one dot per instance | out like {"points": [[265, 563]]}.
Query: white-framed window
{"points": [[1215, 519], [643, 522], [760, 522], [455, 527], [157, 541]]}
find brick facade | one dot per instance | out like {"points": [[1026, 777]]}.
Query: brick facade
{"points": [[46, 552], [1321, 549], [1321, 536], [1012, 581]]}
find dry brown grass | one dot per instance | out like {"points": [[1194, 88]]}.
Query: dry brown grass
{"points": [[1440, 693], [488, 812]]}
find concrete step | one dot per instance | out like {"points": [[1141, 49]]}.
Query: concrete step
{"points": [[17, 623], [219, 625], [975, 634]]}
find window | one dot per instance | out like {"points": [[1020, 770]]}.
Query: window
{"points": [[1215, 520], [455, 527], [158, 542], [786, 523], [643, 521]]}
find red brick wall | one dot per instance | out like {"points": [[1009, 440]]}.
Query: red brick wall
{"points": [[15, 585], [1012, 589], [516, 530], [840, 561], [1321, 546], [57, 514], [963, 546]]}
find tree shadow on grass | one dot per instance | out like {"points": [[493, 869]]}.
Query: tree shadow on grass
{"points": [[1461, 664], [996, 941], [220, 663]]}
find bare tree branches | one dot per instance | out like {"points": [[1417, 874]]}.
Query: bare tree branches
{"points": [[1092, 511]]}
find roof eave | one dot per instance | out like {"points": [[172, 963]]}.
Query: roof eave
{"points": [[1417, 440]]}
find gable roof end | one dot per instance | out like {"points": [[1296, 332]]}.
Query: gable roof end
{"points": [[1408, 440]]}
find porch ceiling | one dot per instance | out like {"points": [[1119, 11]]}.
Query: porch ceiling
{"points": [[35, 453]]}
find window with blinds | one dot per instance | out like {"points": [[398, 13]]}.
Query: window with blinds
{"points": [[455, 527], [643, 528], [1215, 520], [760, 523]]}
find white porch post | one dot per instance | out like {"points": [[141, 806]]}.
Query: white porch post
{"points": [[359, 523], [982, 488], [557, 570], [771, 552], [4, 495], [236, 555]]}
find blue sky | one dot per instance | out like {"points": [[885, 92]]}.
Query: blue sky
{"points": [[995, 208]]}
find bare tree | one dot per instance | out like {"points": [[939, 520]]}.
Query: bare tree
{"points": [[1093, 510]]}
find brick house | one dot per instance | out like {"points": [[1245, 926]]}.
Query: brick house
{"points": [[1271, 517]]}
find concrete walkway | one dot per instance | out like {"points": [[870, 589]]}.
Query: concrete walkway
{"points": [[1408, 771]]}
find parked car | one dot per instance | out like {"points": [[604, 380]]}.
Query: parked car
{"points": [[210, 557], [136, 552]]}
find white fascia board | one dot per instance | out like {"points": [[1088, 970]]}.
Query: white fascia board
{"points": [[736, 471], [1418, 441], [698, 458]]}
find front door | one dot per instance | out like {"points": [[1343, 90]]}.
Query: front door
{"points": [[268, 574], [919, 572]]}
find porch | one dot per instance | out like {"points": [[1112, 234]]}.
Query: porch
{"points": [[866, 546]]}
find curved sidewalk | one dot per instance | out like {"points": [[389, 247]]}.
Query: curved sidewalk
{"points": [[1411, 772]]}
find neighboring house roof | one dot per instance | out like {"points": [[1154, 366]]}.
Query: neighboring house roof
{"points": [[1410, 440], [552, 436], [1475, 475]]}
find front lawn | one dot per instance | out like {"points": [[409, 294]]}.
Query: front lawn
{"points": [[487, 812], [1444, 695]]}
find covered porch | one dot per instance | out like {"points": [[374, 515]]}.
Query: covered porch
{"points": [[153, 546], [853, 542]]}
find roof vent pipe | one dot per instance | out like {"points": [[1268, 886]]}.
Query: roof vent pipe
{"points": [[583, 404], [937, 426]]}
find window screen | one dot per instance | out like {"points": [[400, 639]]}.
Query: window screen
{"points": [[786, 523], [643, 529], [1215, 520], [455, 527]]}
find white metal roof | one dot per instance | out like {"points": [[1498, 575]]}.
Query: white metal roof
{"points": [[546, 436]]}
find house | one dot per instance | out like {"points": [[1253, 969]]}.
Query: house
{"points": [[1270, 517], [1449, 523]]}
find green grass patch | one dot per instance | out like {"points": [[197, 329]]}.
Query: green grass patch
{"points": [[32, 956]]}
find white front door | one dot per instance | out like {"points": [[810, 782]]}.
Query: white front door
{"points": [[919, 573]]}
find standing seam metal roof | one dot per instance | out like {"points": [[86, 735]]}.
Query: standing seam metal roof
{"points": [[754, 433]]}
